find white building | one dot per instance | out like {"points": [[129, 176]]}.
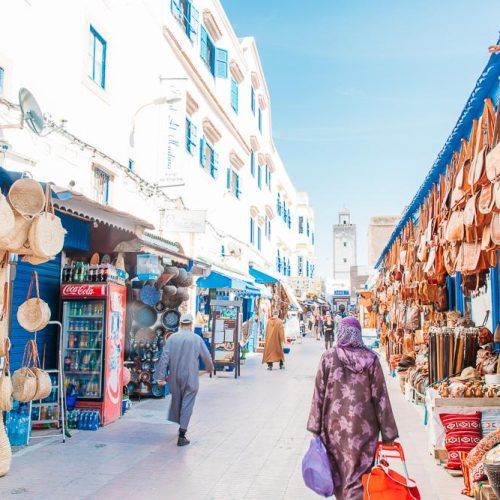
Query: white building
{"points": [[344, 249], [104, 76]]}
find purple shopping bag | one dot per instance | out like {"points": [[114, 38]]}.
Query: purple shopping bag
{"points": [[316, 469]]}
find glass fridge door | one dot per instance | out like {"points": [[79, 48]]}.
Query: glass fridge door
{"points": [[83, 343]]}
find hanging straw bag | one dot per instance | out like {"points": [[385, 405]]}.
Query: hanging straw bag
{"points": [[26, 196], [6, 216], [46, 234], [4, 319], [34, 314], [6, 381], [24, 381], [5, 451], [16, 240], [43, 382]]}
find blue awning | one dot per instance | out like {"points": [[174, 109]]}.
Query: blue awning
{"points": [[219, 280], [261, 277]]}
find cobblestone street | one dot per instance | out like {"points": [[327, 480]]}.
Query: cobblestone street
{"points": [[247, 440]]}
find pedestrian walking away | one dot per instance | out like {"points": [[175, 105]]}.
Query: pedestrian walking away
{"points": [[329, 331], [275, 338], [180, 359], [350, 408]]}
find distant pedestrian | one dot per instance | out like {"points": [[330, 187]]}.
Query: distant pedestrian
{"points": [[329, 331], [350, 408], [318, 327], [275, 338], [180, 359]]}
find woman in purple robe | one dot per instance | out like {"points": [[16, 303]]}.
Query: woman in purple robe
{"points": [[350, 408]]}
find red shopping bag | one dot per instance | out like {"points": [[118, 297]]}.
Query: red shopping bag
{"points": [[384, 483]]}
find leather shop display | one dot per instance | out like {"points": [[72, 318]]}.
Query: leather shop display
{"points": [[154, 316], [457, 230]]}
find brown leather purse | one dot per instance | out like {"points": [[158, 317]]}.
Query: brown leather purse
{"points": [[470, 213], [493, 157], [486, 199], [455, 226], [495, 228]]}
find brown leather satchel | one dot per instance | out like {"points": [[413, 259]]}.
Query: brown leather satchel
{"points": [[495, 228], [471, 256], [493, 157], [496, 195], [477, 173], [450, 255], [455, 226], [470, 213], [429, 267], [486, 199]]}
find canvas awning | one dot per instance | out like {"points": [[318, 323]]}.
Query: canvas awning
{"points": [[261, 276], [292, 299]]}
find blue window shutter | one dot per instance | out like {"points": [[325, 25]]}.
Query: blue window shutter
{"points": [[215, 165], [175, 7], [252, 99], [260, 119], [259, 238], [228, 179], [234, 95], [252, 163], [194, 136], [204, 45], [238, 191], [220, 63], [2, 77], [202, 151], [259, 176], [251, 230], [194, 23]]}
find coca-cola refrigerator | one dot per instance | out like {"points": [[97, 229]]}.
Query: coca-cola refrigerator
{"points": [[93, 345]]}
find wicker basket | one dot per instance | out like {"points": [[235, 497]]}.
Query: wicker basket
{"points": [[33, 314], [5, 451], [16, 240], [26, 196], [24, 385], [6, 216], [43, 381], [493, 473], [6, 381]]}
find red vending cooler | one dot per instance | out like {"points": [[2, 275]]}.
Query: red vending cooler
{"points": [[93, 343]]}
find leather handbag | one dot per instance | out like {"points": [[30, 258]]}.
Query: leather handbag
{"points": [[455, 226], [495, 229], [486, 199], [493, 157], [470, 211], [477, 174]]}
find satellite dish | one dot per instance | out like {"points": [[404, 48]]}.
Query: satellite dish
{"points": [[32, 114]]}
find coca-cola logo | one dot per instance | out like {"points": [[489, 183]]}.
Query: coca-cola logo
{"points": [[82, 290]]}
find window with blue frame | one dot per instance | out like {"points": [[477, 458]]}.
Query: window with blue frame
{"points": [[301, 224], [233, 182], [214, 57], [252, 230], [278, 204], [191, 136], [97, 58], [209, 159], [252, 99], [268, 175], [101, 186], [289, 267], [308, 228], [307, 268], [278, 261], [259, 176], [259, 238], [131, 165], [313, 239], [2, 79], [252, 163], [300, 265], [289, 222], [234, 95], [187, 15], [260, 120]]}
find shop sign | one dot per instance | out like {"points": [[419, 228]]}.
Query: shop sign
{"points": [[185, 221], [172, 174], [341, 293], [84, 291]]}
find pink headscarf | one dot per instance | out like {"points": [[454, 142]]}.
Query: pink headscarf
{"points": [[350, 348]]}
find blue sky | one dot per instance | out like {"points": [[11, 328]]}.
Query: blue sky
{"points": [[364, 94]]}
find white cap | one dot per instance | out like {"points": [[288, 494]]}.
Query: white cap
{"points": [[186, 319]]}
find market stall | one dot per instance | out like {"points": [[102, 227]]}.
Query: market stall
{"points": [[436, 297]]}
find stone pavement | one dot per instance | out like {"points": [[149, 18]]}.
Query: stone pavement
{"points": [[247, 440]]}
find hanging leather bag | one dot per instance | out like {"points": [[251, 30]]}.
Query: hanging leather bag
{"points": [[455, 226], [486, 199], [493, 157], [495, 228]]}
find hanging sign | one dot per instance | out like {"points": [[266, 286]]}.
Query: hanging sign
{"points": [[185, 221], [172, 173]]}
